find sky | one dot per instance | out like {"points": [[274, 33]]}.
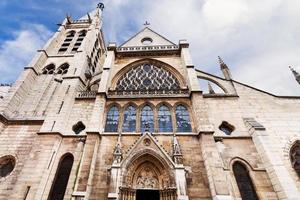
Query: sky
{"points": [[257, 39]]}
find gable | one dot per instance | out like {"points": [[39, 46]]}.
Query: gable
{"points": [[146, 37]]}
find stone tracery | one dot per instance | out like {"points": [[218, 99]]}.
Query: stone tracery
{"points": [[147, 77]]}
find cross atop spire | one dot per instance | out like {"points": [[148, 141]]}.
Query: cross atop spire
{"points": [[101, 6], [146, 23]]}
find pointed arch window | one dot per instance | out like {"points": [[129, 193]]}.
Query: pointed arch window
{"points": [[112, 120], [79, 40], [183, 119], [295, 157], [129, 124], [244, 182], [64, 47], [61, 178], [63, 69], [164, 119], [147, 119], [49, 69]]}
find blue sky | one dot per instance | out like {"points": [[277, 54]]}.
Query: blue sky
{"points": [[258, 39]]}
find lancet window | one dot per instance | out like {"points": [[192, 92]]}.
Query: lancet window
{"points": [[62, 177], [129, 123], [183, 119], [295, 157], [244, 182], [147, 77], [147, 119], [164, 119], [112, 120]]}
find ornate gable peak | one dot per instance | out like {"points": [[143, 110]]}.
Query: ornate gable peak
{"points": [[147, 144], [147, 37]]}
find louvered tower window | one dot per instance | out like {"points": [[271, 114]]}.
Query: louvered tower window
{"points": [[244, 182], [129, 124], [183, 119], [164, 119], [64, 47], [112, 120], [79, 40], [61, 178]]}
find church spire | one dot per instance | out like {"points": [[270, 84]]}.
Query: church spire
{"points": [[296, 74], [225, 69]]}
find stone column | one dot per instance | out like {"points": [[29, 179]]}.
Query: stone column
{"points": [[268, 147], [214, 168], [115, 174], [181, 183], [85, 175]]}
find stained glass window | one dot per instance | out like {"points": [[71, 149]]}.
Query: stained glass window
{"points": [[244, 182], [164, 119], [147, 120], [129, 124], [295, 157], [183, 119], [147, 77], [61, 178], [112, 120]]}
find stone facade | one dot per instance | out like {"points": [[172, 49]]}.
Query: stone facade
{"points": [[61, 103]]}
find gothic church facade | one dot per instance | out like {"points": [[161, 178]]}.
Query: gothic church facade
{"points": [[134, 121]]}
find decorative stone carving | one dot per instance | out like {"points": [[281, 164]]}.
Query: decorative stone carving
{"points": [[177, 155], [147, 179], [117, 154], [147, 77]]}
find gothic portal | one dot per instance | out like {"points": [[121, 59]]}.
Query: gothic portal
{"points": [[88, 120]]}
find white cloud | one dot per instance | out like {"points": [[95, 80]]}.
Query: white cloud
{"points": [[258, 39], [15, 54]]}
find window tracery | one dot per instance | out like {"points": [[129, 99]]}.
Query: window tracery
{"points": [[164, 119], [295, 157], [49, 69], [112, 120], [183, 119], [147, 77], [63, 69], [129, 124]]}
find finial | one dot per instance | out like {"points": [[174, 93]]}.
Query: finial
{"points": [[101, 6], [210, 88], [146, 23], [69, 18], [296, 74], [221, 62]]}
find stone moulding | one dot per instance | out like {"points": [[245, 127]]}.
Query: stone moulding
{"points": [[146, 94]]}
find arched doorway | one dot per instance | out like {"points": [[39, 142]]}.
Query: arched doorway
{"points": [[148, 177]]}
